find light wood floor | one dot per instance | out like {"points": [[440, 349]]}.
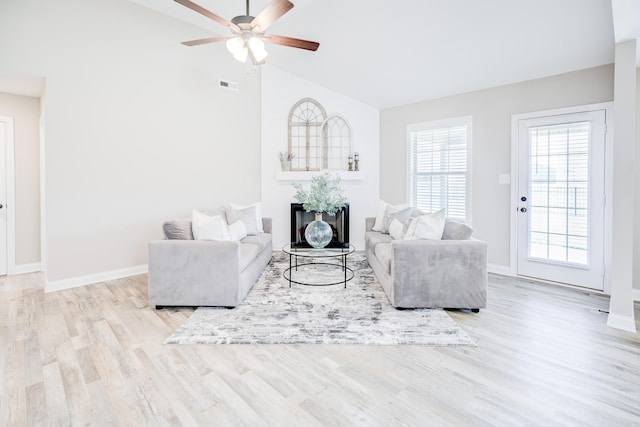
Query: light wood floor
{"points": [[94, 356]]}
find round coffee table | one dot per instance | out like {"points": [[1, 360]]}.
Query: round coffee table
{"points": [[318, 257]]}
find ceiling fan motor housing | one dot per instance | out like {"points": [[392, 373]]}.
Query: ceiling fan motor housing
{"points": [[242, 19]]}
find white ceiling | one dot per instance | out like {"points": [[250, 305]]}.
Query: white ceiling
{"points": [[389, 53]]}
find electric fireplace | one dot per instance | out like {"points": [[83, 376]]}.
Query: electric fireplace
{"points": [[339, 224]]}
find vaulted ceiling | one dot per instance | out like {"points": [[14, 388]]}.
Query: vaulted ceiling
{"points": [[389, 53]]}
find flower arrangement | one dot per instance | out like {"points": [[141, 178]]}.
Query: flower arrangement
{"points": [[325, 194], [286, 156]]}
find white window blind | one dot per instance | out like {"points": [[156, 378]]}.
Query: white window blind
{"points": [[439, 174]]}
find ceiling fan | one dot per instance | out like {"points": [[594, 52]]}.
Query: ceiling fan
{"points": [[248, 32]]}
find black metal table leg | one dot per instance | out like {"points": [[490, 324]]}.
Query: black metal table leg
{"points": [[344, 268]]}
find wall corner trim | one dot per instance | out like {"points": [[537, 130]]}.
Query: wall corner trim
{"points": [[74, 282], [625, 323]]}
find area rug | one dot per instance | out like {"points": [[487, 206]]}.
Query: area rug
{"points": [[273, 313]]}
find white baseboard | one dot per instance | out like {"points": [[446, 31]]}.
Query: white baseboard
{"points": [[503, 270], [58, 285], [625, 323], [34, 267], [636, 294]]}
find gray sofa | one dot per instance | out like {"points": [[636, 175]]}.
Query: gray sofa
{"points": [[429, 273], [186, 272]]}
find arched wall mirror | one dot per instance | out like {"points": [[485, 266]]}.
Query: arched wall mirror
{"points": [[337, 143], [305, 135], [317, 142]]}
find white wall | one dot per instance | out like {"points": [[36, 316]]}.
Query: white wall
{"points": [[491, 110], [136, 129], [280, 91], [621, 310], [636, 229], [25, 111]]}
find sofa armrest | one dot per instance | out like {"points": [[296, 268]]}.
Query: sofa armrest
{"points": [[369, 223], [438, 268], [193, 272], [267, 224]]}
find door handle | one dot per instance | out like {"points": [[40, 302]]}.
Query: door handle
{"points": [[1, 206], [523, 210]]}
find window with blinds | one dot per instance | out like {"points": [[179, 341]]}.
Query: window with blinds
{"points": [[439, 172]]}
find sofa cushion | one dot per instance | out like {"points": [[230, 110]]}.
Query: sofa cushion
{"points": [[384, 253], [258, 211], [246, 215], [238, 231], [427, 227], [207, 227], [403, 215], [372, 238], [454, 230], [179, 229], [262, 240], [380, 215], [247, 254], [397, 229]]}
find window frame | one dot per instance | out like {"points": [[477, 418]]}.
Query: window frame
{"points": [[314, 140], [436, 125]]}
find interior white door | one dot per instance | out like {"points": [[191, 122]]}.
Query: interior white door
{"points": [[561, 198], [3, 199]]}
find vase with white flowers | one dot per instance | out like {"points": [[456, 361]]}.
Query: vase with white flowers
{"points": [[324, 195]]}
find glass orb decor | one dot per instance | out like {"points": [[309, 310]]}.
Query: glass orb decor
{"points": [[318, 233]]}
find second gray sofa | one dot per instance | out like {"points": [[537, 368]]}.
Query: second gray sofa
{"points": [[428, 273]]}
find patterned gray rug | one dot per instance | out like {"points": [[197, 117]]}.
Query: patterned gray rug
{"points": [[273, 313]]}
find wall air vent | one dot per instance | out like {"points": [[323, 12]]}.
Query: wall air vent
{"points": [[228, 84]]}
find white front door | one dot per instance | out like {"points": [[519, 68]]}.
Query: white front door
{"points": [[561, 197], [3, 198]]}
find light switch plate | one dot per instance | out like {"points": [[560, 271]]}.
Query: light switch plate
{"points": [[504, 178]]}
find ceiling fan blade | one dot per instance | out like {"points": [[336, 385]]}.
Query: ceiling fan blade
{"points": [[202, 11], [206, 40], [291, 42], [270, 14]]}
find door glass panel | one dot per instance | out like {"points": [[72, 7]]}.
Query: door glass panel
{"points": [[558, 177]]}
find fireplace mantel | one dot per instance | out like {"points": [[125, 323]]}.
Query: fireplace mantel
{"points": [[306, 176]]}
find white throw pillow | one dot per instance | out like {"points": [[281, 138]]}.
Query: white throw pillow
{"points": [[382, 208], [396, 229], [392, 212], [380, 215], [258, 206], [207, 227], [427, 227], [238, 230], [246, 215]]}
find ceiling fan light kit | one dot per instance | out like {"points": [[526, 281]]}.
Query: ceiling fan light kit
{"points": [[247, 41]]}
